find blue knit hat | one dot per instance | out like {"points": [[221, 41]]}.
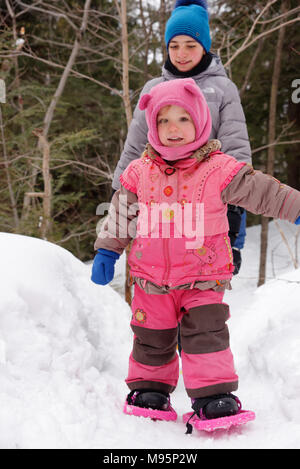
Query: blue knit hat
{"points": [[190, 18]]}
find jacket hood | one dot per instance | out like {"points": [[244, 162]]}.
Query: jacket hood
{"points": [[186, 94]]}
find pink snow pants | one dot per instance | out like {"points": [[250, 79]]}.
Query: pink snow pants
{"points": [[207, 361]]}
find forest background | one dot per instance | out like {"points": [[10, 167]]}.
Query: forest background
{"points": [[73, 71]]}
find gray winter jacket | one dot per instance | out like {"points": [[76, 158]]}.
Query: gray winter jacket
{"points": [[228, 119]]}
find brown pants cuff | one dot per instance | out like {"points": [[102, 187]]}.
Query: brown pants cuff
{"points": [[155, 385], [220, 388]]}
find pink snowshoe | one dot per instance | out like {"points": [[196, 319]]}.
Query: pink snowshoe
{"points": [[223, 423], [216, 412], [149, 404]]}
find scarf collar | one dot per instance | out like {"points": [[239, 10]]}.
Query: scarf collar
{"points": [[199, 68]]}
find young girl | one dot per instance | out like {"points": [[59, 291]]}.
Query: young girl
{"points": [[180, 275], [187, 38]]}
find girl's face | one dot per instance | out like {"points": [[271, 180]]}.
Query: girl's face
{"points": [[175, 126], [185, 53]]}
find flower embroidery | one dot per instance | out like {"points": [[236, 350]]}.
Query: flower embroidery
{"points": [[201, 251], [168, 191], [168, 214], [140, 316], [153, 177], [206, 255]]}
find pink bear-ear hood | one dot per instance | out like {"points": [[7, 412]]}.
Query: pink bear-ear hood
{"points": [[192, 88], [144, 101], [184, 93]]}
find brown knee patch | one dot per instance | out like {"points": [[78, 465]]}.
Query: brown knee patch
{"points": [[203, 329], [154, 347]]}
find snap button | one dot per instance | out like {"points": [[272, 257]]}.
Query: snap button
{"points": [[170, 171]]}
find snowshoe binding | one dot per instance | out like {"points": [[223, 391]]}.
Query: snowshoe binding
{"points": [[148, 403], [220, 411]]}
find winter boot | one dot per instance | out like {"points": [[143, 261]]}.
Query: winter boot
{"points": [[217, 406], [221, 411], [149, 403], [213, 407], [149, 399]]}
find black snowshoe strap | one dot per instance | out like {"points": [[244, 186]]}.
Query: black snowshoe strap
{"points": [[189, 427], [130, 397]]}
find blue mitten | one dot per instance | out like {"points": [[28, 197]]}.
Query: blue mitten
{"points": [[104, 266], [297, 222]]}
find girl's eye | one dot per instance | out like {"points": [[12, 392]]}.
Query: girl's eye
{"points": [[162, 121]]}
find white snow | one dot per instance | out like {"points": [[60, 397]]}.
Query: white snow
{"points": [[64, 345]]}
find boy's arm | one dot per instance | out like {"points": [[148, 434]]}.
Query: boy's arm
{"points": [[119, 227], [134, 145], [260, 193], [233, 131]]}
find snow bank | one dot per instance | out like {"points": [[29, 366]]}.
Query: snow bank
{"points": [[58, 336]]}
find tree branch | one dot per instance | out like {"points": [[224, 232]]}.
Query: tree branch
{"points": [[247, 43], [264, 147], [73, 72], [47, 12], [49, 115]]}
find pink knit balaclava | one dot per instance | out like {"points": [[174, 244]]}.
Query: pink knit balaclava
{"points": [[186, 94]]}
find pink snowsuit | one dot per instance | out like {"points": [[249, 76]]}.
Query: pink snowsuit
{"points": [[180, 275], [207, 362]]}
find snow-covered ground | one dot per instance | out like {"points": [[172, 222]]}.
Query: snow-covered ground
{"points": [[64, 344]]}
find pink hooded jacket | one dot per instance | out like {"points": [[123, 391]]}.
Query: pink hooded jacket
{"points": [[182, 226], [164, 250]]}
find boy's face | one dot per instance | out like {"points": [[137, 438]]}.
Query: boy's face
{"points": [[185, 53], [175, 126]]}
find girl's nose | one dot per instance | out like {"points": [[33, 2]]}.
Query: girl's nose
{"points": [[173, 127]]}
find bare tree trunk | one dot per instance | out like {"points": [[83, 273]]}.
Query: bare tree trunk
{"points": [[8, 178], [162, 26], [271, 148], [263, 250], [43, 144], [62, 83], [15, 58], [146, 49], [128, 110], [125, 61], [47, 194], [20, 100], [251, 66]]}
